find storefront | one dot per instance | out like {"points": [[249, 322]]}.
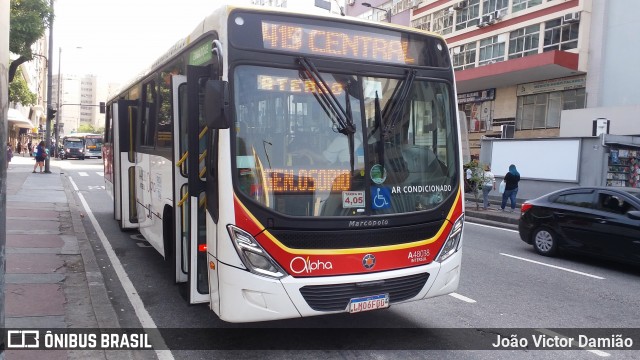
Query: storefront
{"points": [[19, 127]]}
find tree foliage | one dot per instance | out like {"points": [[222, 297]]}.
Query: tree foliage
{"points": [[19, 91], [86, 128], [28, 21]]}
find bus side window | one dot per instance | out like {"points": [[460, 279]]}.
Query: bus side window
{"points": [[148, 125]]}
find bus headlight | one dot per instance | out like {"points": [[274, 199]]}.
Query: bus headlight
{"points": [[453, 241], [253, 255]]}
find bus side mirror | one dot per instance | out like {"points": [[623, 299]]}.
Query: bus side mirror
{"points": [[216, 101]]}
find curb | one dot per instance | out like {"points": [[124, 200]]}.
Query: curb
{"points": [[498, 224]]}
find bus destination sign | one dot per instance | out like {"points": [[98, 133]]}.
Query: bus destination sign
{"points": [[344, 43]]}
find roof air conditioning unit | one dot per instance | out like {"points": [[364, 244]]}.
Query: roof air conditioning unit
{"points": [[414, 4], [482, 24], [488, 19], [498, 14], [572, 17], [461, 5]]}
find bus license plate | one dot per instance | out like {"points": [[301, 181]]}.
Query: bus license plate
{"points": [[369, 303]]}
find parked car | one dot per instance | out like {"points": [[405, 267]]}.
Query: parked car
{"points": [[600, 221]]}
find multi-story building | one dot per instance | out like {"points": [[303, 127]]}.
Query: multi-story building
{"points": [[78, 100], [24, 121], [536, 68], [394, 11]]}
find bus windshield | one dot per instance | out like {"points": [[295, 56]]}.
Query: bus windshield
{"points": [[73, 144], [93, 143], [293, 155]]}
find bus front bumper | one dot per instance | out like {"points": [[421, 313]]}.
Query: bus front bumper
{"points": [[244, 296]]}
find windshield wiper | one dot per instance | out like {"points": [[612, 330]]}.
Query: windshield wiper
{"points": [[342, 118], [393, 110]]}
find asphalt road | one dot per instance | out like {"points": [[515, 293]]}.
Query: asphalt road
{"points": [[505, 286]]}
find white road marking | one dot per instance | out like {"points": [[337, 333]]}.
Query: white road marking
{"points": [[96, 187], [592, 350], [82, 173], [100, 173], [489, 226], [463, 298], [132, 294], [553, 266]]}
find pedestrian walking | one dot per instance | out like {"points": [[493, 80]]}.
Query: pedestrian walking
{"points": [[41, 154], [488, 184], [511, 180], [9, 154], [19, 148], [30, 147]]}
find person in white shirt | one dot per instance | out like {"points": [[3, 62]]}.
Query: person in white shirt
{"points": [[488, 184]]}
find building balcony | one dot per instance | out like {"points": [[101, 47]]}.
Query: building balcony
{"points": [[543, 66]]}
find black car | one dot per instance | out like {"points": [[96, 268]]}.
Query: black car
{"points": [[601, 221]]}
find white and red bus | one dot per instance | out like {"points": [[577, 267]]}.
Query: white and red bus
{"points": [[290, 165]]}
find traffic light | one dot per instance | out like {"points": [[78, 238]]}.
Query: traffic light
{"points": [[51, 114], [103, 108]]}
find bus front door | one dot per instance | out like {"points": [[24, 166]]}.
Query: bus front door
{"points": [[124, 125], [190, 255]]}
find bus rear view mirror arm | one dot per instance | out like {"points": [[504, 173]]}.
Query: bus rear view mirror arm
{"points": [[216, 98]]}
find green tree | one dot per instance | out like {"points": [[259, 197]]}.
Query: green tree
{"points": [[19, 91], [28, 21], [86, 128]]}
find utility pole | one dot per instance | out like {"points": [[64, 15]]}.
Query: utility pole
{"points": [[4, 121], [50, 112]]}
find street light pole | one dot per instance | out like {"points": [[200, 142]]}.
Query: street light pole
{"points": [[49, 87], [387, 11], [58, 105]]}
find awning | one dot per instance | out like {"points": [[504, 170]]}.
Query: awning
{"points": [[19, 120]]}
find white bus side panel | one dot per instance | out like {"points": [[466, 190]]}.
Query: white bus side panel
{"points": [[149, 208]]}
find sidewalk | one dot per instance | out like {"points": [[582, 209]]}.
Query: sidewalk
{"points": [[52, 279], [492, 216]]}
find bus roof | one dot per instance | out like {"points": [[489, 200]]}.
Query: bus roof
{"points": [[81, 135], [222, 12]]}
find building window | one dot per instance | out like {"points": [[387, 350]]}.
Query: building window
{"points": [[489, 6], [542, 111], [491, 50], [443, 21], [400, 6], [524, 42], [464, 57], [423, 23], [468, 16], [559, 36], [524, 4]]}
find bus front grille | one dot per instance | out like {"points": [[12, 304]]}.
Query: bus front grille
{"points": [[336, 297]]}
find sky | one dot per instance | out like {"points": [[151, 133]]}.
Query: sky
{"points": [[118, 39]]}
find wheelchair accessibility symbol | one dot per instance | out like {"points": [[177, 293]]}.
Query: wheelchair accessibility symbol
{"points": [[380, 197]]}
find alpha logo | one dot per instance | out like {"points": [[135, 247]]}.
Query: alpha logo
{"points": [[299, 265], [369, 261]]}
